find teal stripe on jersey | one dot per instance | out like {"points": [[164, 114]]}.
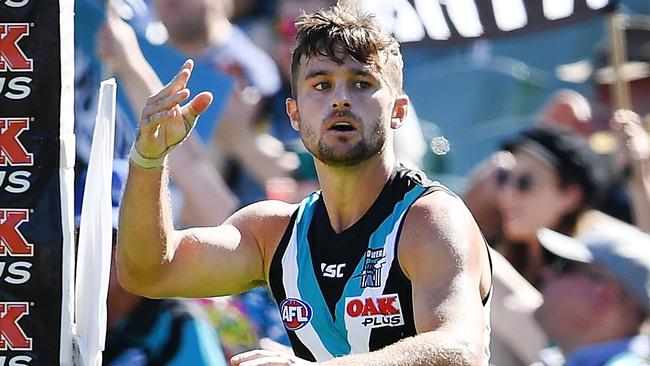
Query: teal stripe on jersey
{"points": [[334, 340], [333, 333]]}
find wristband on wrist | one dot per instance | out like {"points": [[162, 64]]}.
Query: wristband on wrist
{"points": [[145, 162], [159, 161]]}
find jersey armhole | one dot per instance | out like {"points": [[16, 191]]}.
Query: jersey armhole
{"points": [[435, 188], [275, 280]]}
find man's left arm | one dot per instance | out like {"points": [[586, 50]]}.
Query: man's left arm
{"points": [[442, 252]]}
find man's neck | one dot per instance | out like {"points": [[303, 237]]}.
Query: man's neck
{"points": [[349, 192], [216, 34]]}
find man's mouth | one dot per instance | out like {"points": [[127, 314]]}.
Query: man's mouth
{"points": [[342, 127]]}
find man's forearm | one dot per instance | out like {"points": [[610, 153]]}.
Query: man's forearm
{"points": [[427, 349], [145, 232]]}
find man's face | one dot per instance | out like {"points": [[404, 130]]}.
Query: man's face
{"points": [[571, 296], [343, 111], [184, 19]]}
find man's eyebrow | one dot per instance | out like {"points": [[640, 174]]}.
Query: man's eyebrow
{"points": [[355, 71], [362, 72], [316, 73]]}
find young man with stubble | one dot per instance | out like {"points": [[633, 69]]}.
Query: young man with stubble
{"points": [[382, 266]]}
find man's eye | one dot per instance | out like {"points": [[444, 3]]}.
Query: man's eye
{"points": [[361, 84], [321, 86]]}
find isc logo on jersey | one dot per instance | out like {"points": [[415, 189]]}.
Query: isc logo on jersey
{"points": [[295, 313], [375, 312]]}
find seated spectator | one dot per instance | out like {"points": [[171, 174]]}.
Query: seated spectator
{"points": [[554, 182], [211, 201], [547, 177], [567, 108], [246, 157], [596, 298]]}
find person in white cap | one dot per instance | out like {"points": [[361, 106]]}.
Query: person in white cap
{"points": [[596, 298]]}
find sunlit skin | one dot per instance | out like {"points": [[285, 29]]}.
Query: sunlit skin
{"points": [[343, 113], [543, 205]]}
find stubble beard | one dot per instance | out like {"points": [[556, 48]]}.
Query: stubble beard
{"points": [[364, 149]]}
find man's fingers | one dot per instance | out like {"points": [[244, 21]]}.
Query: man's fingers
{"points": [[251, 355], [178, 82], [268, 361], [196, 106], [158, 118], [164, 104]]}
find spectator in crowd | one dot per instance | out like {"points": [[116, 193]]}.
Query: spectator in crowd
{"points": [[630, 199], [635, 72], [596, 298], [554, 182], [568, 109], [200, 29], [211, 201]]}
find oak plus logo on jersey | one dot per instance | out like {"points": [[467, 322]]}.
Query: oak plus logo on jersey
{"points": [[12, 336], [12, 57], [295, 313], [375, 312]]}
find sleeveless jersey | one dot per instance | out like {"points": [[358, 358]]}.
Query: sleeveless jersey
{"points": [[345, 293]]}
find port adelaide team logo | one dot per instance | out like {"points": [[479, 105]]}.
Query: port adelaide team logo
{"points": [[295, 313], [372, 264]]}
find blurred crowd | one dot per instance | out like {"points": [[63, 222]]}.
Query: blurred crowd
{"points": [[575, 295]]}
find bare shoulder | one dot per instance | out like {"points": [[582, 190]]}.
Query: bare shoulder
{"points": [[266, 221], [439, 229]]}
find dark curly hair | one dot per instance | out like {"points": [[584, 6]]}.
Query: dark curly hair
{"points": [[342, 30]]}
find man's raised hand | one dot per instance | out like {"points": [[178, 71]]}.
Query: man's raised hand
{"points": [[164, 123]]}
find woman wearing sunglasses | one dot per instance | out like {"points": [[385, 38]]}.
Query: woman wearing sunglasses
{"points": [[554, 181]]}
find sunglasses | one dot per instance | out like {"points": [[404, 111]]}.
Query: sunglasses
{"points": [[561, 267], [522, 183]]}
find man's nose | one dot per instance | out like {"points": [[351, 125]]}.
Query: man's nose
{"points": [[341, 99]]}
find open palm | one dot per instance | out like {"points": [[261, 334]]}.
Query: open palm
{"points": [[164, 123]]}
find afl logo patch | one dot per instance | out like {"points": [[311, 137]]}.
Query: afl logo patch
{"points": [[295, 313]]}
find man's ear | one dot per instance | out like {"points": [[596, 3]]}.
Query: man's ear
{"points": [[400, 110], [292, 111]]}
